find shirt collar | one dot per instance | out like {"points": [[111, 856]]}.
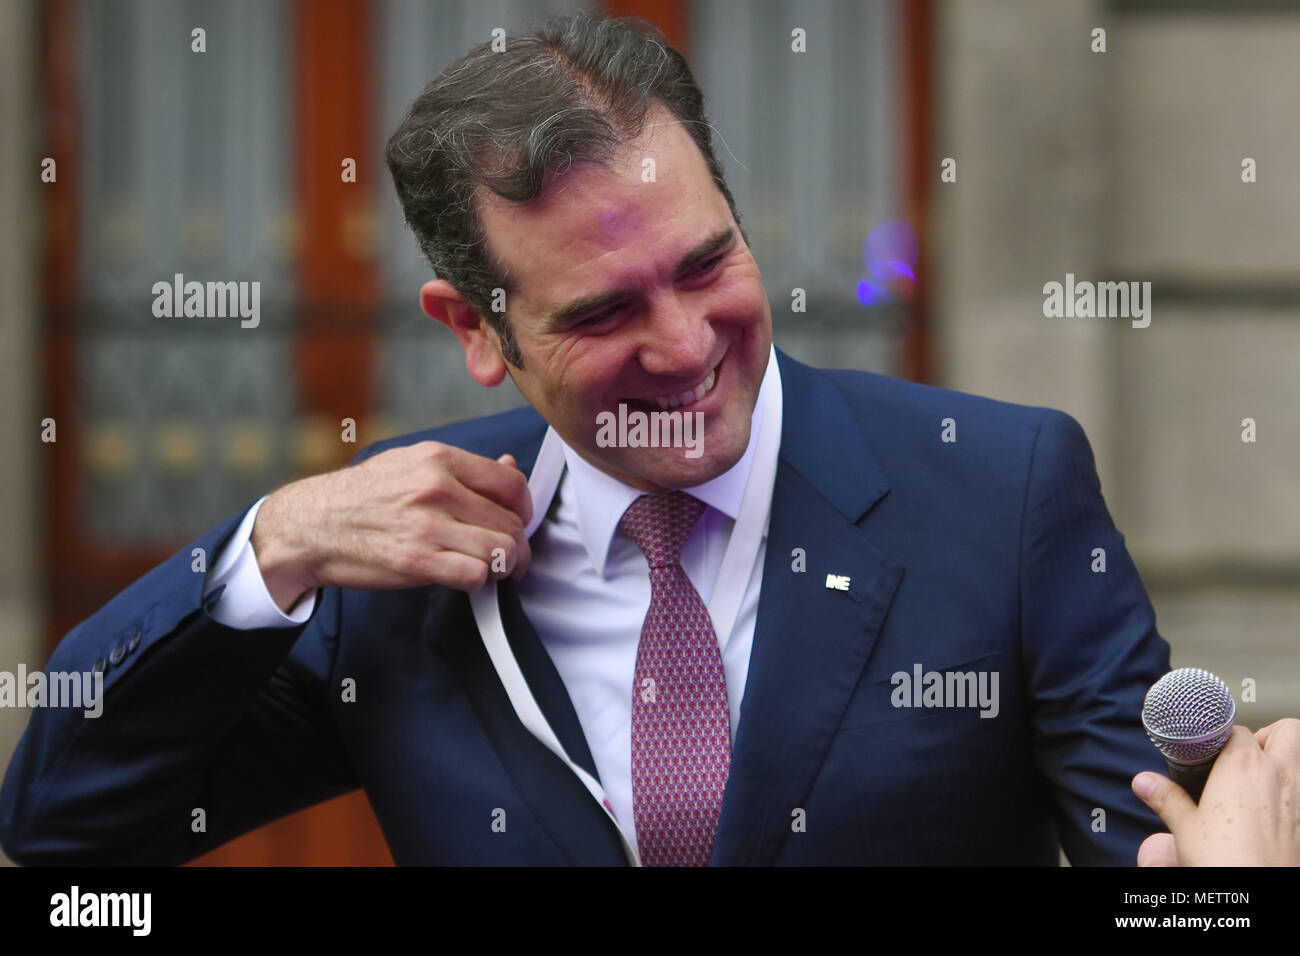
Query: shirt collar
{"points": [[600, 499]]}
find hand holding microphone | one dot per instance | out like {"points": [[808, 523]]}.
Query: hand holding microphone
{"points": [[1249, 808]]}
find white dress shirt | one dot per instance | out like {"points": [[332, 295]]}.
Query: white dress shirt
{"points": [[587, 589]]}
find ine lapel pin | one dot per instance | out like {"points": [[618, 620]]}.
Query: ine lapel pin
{"points": [[837, 582]]}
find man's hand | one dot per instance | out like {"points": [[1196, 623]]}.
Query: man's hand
{"points": [[411, 516], [1249, 814]]}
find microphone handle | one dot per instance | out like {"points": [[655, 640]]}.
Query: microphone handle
{"points": [[1191, 777]]}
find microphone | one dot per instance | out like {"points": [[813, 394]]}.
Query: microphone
{"points": [[1188, 715]]}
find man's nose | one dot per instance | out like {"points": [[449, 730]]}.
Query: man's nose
{"points": [[680, 338]]}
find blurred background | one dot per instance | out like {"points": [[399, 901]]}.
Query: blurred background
{"points": [[1122, 165]]}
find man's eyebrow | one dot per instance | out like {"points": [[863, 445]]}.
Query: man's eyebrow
{"points": [[591, 303]]}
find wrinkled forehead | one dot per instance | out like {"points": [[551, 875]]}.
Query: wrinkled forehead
{"points": [[593, 215], [586, 209]]}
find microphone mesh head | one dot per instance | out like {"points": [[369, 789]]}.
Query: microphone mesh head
{"points": [[1188, 715]]}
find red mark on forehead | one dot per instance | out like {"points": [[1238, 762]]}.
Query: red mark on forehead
{"points": [[615, 225]]}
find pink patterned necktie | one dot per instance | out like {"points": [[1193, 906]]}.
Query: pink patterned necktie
{"points": [[681, 731]]}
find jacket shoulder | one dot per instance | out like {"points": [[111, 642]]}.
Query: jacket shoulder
{"points": [[913, 399], [893, 411], [518, 432], [950, 442]]}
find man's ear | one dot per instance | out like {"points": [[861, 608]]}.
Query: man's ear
{"points": [[441, 301]]}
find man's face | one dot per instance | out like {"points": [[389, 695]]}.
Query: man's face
{"points": [[685, 301]]}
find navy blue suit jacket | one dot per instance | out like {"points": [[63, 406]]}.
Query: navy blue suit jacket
{"points": [[973, 556]]}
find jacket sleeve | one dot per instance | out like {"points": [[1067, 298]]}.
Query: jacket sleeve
{"points": [[204, 731], [1091, 651]]}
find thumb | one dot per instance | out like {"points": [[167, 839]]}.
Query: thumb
{"points": [[509, 460], [1170, 801], [1159, 849]]}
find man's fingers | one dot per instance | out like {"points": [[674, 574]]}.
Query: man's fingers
{"points": [[503, 554], [1158, 849], [500, 481], [524, 508], [468, 506], [1241, 739], [524, 503], [505, 484], [1170, 801], [523, 557], [1282, 738], [497, 549], [1238, 750], [460, 571], [509, 556]]}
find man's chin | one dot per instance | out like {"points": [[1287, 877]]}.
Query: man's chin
{"points": [[656, 458], [666, 473]]}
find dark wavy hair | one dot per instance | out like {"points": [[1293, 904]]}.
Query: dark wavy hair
{"points": [[574, 91]]}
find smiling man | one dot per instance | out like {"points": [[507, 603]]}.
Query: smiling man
{"points": [[530, 646], [626, 291]]}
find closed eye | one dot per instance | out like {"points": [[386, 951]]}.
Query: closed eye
{"points": [[704, 268], [597, 317], [698, 271]]}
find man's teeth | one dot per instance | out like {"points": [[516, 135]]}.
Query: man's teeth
{"points": [[685, 398]]}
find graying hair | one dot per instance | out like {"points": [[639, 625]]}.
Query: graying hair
{"points": [[574, 91]]}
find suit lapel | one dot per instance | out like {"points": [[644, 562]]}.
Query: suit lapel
{"points": [[553, 794], [543, 679], [538, 668], [811, 641]]}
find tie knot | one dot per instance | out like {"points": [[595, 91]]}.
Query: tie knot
{"points": [[660, 524]]}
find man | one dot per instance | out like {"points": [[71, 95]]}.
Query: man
{"points": [[856, 621]]}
